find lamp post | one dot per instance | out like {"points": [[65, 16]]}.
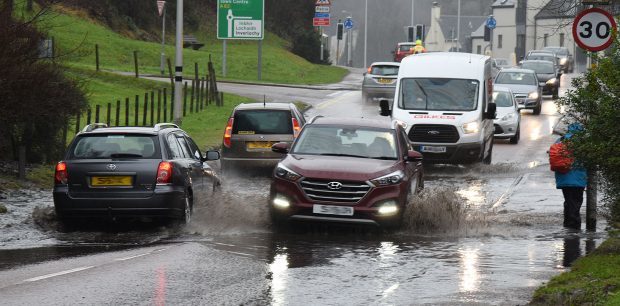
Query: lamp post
{"points": [[366, 32], [178, 65], [162, 64]]}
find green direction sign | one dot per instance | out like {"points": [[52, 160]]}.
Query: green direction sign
{"points": [[240, 19]]}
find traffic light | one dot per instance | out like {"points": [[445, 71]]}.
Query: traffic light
{"points": [[340, 31], [410, 33], [420, 30], [487, 34]]}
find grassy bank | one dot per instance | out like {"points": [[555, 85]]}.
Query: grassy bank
{"points": [[75, 36], [592, 280]]}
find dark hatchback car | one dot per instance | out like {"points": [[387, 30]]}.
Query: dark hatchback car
{"points": [[548, 77], [346, 170], [132, 172], [251, 131]]}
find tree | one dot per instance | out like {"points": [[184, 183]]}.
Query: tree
{"points": [[37, 99], [594, 104]]}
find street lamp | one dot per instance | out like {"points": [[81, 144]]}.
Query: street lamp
{"points": [[178, 63], [366, 31]]}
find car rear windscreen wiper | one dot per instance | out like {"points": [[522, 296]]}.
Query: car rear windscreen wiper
{"points": [[121, 155]]}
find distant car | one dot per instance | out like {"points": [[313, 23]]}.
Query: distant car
{"points": [[380, 81], [132, 172], [251, 131], [524, 86], [403, 49], [508, 120], [346, 170], [548, 78], [544, 55], [566, 60], [498, 64]]}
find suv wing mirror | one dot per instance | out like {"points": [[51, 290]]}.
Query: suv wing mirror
{"points": [[491, 111], [415, 156], [280, 147], [385, 108]]}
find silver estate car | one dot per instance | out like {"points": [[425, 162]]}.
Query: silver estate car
{"points": [[508, 120], [380, 81], [524, 85]]}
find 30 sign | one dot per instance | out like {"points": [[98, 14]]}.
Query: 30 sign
{"points": [[593, 29]]}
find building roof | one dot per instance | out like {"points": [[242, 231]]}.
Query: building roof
{"points": [[479, 33], [558, 9], [503, 3], [468, 25]]}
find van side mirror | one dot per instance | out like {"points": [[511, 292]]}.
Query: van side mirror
{"points": [[491, 111], [385, 108], [280, 147], [415, 156]]}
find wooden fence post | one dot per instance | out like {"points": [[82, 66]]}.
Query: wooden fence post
{"points": [[158, 105], [118, 112], [185, 99], [152, 108], [137, 109], [191, 99], [165, 105], [135, 62], [97, 107], [77, 123], [126, 111], [221, 99], [109, 110], [97, 56], [146, 108], [88, 115], [203, 100]]}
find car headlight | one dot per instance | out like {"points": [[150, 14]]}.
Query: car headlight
{"points": [[281, 202], [563, 61], [533, 95], [551, 81], [508, 117], [471, 127], [390, 179], [286, 173], [388, 208]]}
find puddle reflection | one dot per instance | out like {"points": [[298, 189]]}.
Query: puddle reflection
{"points": [[470, 275]]}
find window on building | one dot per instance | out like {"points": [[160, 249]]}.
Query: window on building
{"points": [[561, 39], [478, 49], [545, 38], [499, 41]]}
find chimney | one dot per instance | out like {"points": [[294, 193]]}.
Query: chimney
{"points": [[436, 11]]}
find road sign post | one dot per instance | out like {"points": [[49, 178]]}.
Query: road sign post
{"points": [[241, 20], [322, 19], [178, 65], [348, 24]]}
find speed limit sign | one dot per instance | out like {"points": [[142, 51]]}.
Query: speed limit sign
{"points": [[592, 29]]}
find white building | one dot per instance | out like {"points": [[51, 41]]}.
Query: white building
{"points": [[444, 35]]}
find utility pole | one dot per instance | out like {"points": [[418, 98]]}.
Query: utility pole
{"points": [[366, 32], [178, 69], [322, 43], [458, 26], [412, 12], [162, 64]]}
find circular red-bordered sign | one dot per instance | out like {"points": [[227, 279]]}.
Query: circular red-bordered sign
{"points": [[593, 29]]}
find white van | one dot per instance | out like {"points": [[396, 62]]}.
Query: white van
{"points": [[445, 100]]}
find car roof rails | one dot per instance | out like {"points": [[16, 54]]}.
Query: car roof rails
{"points": [[93, 126], [314, 118], [161, 126]]}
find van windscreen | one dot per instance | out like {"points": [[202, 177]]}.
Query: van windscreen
{"points": [[439, 94]]}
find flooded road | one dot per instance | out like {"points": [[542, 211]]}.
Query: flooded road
{"points": [[477, 235]]}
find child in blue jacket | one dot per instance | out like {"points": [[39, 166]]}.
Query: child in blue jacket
{"points": [[573, 184]]}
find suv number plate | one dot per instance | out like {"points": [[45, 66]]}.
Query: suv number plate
{"points": [[332, 210], [431, 149]]}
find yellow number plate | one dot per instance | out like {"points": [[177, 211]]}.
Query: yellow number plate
{"points": [[259, 145], [386, 81], [105, 181]]}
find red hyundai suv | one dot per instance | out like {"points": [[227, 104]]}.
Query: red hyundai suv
{"points": [[346, 170]]}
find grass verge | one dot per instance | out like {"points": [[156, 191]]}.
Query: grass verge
{"points": [[76, 35], [592, 280]]}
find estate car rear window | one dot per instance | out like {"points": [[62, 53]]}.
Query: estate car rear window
{"points": [[384, 70], [104, 146], [405, 48], [250, 122]]}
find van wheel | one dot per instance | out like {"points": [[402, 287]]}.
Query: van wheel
{"points": [[487, 160], [515, 139]]}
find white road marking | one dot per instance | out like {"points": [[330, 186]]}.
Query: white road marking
{"points": [[226, 244], [239, 253], [337, 93], [340, 98], [38, 278], [131, 257]]}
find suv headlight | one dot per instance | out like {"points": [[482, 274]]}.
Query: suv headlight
{"points": [[507, 117], [551, 81], [533, 95], [286, 173], [471, 127], [390, 179]]}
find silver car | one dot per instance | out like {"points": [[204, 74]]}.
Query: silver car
{"points": [[508, 120], [524, 85], [380, 81]]}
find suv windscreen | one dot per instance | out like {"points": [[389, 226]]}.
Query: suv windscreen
{"points": [[519, 78], [439, 94], [546, 68], [502, 98], [346, 141], [384, 70], [250, 122], [105, 146], [541, 57]]}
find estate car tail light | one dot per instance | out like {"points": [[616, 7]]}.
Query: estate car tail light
{"points": [[228, 132], [164, 173], [61, 176], [296, 128]]}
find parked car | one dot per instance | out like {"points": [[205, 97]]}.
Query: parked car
{"points": [[251, 131], [403, 49], [132, 171], [346, 170], [566, 60], [543, 55], [508, 121], [524, 85], [380, 81], [548, 77]]}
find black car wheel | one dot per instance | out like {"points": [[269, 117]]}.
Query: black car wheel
{"points": [[515, 139], [187, 209]]}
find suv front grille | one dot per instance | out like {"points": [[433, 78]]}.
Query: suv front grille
{"points": [[437, 133], [349, 192]]}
